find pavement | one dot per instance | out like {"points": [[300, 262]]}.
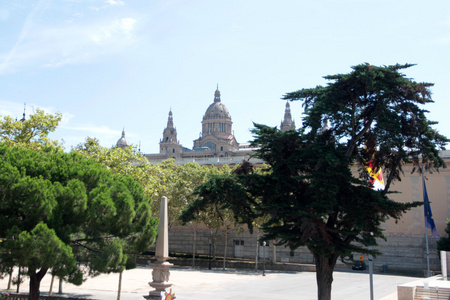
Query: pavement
{"points": [[202, 284]]}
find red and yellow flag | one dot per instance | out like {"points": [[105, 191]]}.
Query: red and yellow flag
{"points": [[375, 174]]}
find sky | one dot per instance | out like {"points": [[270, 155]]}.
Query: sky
{"points": [[109, 65]]}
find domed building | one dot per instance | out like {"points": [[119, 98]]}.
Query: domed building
{"points": [[215, 145], [217, 133], [122, 142]]}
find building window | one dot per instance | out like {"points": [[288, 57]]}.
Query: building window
{"points": [[173, 150], [210, 145]]}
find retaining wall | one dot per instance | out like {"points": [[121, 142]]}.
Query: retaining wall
{"points": [[400, 254]]}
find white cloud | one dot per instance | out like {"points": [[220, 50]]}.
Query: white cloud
{"points": [[12, 109], [118, 29], [108, 3], [66, 117], [95, 129], [115, 2], [54, 46]]}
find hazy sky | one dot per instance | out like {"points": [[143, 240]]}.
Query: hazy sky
{"points": [[109, 64]]}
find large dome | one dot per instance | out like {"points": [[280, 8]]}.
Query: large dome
{"points": [[217, 110]]}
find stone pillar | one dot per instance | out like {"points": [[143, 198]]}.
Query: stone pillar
{"points": [[445, 264], [161, 267]]}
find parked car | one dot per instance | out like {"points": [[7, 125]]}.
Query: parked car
{"points": [[359, 266]]}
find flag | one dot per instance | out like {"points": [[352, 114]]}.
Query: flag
{"points": [[429, 221], [376, 176]]}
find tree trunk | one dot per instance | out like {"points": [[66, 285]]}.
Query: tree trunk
{"points": [[18, 281], [225, 250], [274, 256], [35, 282], [10, 279], [120, 285], [324, 276], [257, 250], [51, 285], [60, 291], [193, 248], [214, 248]]}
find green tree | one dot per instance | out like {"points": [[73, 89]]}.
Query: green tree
{"points": [[57, 209], [443, 244], [128, 161], [176, 182], [32, 132], [314, 196], [207, 207]]}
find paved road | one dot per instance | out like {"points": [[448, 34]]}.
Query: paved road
{"points": [[191, 284]]}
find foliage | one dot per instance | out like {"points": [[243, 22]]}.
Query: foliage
{"points": [[4, 295], [176, 182], [384, 101], [314, 196], [126, 161], [32, 132], [58, 209], [443, 244]]}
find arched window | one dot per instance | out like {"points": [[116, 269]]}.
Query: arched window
{"points": [[210, 145]]}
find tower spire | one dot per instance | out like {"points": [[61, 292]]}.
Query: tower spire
{"points": [[217, 95], [287, 123], [170, 119], [24, 109]]}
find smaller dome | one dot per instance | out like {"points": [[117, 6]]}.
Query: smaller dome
{"points": [[122, 142]]}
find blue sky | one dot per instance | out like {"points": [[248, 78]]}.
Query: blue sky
{"points": [[109, 64]]}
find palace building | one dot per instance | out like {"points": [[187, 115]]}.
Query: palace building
{"points": [[216, 144]]}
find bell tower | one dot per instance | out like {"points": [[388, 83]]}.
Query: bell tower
{"points": [[287, 123], [169, 144]]}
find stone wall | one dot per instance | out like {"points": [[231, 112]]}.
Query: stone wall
{"points": [[401, 254]]}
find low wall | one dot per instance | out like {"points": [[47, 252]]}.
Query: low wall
{"points": [[400, 254], [15, 296]]}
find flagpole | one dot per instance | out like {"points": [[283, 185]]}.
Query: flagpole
{"points": [[371, 272], [428, 252], [426, 231]]}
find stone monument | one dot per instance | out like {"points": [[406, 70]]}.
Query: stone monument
{"points": [[161, 267]]}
